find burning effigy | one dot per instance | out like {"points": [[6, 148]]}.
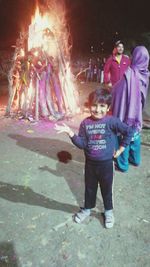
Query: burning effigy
{"points": [[41, 83]]}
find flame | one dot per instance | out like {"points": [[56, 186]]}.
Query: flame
{"points": [[51, 34], [22, 52], [48, 33], [30, 92], [38, 37], [69, 90]]}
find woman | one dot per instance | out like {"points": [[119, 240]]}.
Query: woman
{"points": [[128, 98]]}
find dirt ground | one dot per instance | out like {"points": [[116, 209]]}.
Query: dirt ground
{"points": [[42, 186]]}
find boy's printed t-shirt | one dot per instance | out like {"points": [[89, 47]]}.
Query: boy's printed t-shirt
{"points": [[98, 137]]}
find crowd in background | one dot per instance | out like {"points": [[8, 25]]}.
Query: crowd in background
{"points": [[104, 69], [91, 69], [95, 70]]}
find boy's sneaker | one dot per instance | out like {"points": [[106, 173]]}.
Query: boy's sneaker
{"points": [[80, 216], [109, 219]]}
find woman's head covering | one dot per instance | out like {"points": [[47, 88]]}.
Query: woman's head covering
{"points": [[139, 63], [140, 58], [131, 90]]}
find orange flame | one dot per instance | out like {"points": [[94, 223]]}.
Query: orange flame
{"points": [[49, 32], [37, 34]]}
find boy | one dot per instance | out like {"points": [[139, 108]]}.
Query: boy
{"points": [[97, 135], [116, 65]]}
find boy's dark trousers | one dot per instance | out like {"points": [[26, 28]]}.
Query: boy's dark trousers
{"points": [[98, 172]]}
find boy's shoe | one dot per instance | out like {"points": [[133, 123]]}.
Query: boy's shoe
{"points": [[81, 215], [109, 219]]}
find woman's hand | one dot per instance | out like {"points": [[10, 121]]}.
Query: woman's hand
{"points": [[119, 151]]}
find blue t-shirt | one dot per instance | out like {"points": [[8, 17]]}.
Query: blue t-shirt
{"points": [[98, 137]]}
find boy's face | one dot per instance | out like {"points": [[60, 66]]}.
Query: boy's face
{"points": [[99, 110], [120, 49]]}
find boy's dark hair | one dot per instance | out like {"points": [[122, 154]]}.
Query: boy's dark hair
{"points": [[100, 96], [118, 43]]}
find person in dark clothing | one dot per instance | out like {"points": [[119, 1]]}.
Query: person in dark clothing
{"points": [[89, 74], [97, 136], [98, 63], [95, 73]]}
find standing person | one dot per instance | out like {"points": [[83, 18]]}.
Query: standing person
{"points": [[102, 70], [97, 135], [116, 65], [98, 63], [128, 100], [95, 73], [89, 75]]}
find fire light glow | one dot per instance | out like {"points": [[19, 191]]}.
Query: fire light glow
{"points": [[39, 23], [49, 63]]}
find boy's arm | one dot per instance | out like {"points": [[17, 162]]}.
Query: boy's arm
{"points": [[127, 133], [80, 140], [128, 61], [107, 71]]}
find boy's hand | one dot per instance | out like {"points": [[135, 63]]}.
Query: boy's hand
{"points": [[119, 151], [64, 129], [109, 84]]}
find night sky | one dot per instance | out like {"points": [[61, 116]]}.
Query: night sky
{"points": [[91, 22]]}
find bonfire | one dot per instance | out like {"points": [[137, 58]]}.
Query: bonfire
{"points": [[41, 83]]}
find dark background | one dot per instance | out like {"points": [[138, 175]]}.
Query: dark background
{"points": [[97, 23]]}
